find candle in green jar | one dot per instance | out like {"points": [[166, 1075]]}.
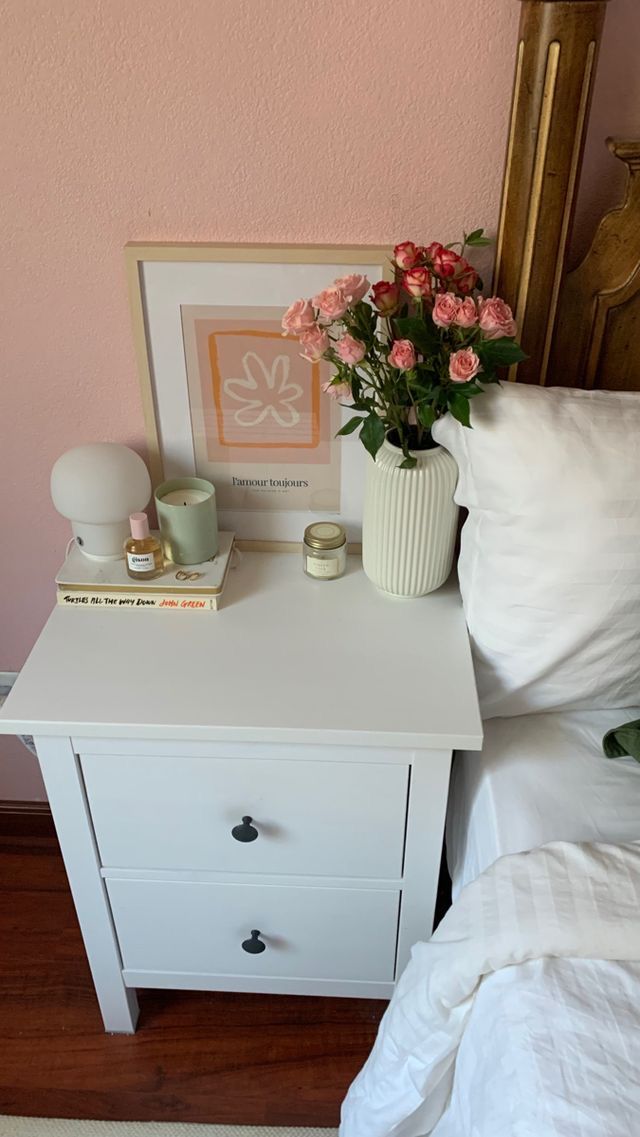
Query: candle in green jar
{"points": [[188, 520]]}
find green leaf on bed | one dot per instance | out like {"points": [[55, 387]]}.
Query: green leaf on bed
{"points": [[623, 741]]}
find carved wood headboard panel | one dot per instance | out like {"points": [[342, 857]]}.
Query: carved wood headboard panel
{"points": [[579, 329], [597, 333]]}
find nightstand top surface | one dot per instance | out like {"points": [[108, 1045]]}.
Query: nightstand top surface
{"points": [[285, 660]]}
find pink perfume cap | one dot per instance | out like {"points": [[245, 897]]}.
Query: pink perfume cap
{"points": [[139, 526]]}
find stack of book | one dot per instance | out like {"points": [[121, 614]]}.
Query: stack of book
{"points": [[82, 582]]}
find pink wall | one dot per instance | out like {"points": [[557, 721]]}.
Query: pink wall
{"points": [[234, 120]]}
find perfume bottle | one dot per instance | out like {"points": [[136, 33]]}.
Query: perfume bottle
{"points": [[142, 551]]}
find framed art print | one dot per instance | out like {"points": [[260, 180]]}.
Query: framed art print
{"points": [[227, 397]]}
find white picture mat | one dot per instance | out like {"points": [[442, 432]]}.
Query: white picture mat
{"points": [[165, 286]]}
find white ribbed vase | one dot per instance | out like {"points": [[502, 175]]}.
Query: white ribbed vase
{"points": [[409, 520]]}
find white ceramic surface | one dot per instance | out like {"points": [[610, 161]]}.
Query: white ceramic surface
{"points": [[409, 521]]}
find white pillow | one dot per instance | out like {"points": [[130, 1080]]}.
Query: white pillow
{"points": [[550, 558]]}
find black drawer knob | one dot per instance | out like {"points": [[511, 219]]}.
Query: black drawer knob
{"points": [[255, 945], [246, 831]]}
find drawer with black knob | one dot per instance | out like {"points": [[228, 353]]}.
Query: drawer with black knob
{"points": [[257, 816], [184, 927]]}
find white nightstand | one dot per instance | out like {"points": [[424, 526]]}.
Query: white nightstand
{"points": [[324, 712]]}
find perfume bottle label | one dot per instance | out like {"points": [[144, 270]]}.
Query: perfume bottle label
{"points": [[141, 562]]}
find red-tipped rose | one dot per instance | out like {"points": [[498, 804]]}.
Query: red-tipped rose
{"points": [[417, 282], [386, 297], [466, 278], [406, 254], [428, 252], [446, 263]]}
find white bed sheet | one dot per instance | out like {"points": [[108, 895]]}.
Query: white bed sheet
{"points": [[519, 1017], [539, 778], [551, 1049]]}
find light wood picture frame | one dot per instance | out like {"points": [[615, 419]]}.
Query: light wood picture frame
{"points": [[184, 298]]}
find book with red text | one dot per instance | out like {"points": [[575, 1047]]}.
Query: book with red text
{"points": [[126, 599], [84, 583]]}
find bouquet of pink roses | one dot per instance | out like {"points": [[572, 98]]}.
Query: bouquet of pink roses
{"points": [[424, 345]]}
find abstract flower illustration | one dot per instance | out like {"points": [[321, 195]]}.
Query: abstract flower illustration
{"points": [[266, 391]]}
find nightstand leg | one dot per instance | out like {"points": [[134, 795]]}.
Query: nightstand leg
{"points": [[65, 790]]}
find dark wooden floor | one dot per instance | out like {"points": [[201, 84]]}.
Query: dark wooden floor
{"points": [[243, 1059]]}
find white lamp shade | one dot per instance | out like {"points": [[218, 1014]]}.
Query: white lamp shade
{"points": [[96, 487]]}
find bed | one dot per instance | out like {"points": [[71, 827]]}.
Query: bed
{"points": [[520, 1016], [539, 778], [551, 1045]]}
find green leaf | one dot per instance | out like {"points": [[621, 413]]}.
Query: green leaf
{"points": [[623, 740], [501, 353], [408, 463], [372, 434], [422, 335], [477, 238], [459, 407], [349, 426], [356, 387], [426, 415]]}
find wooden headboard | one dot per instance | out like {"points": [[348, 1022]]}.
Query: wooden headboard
{"points": [[597, 331], [579, 328]]}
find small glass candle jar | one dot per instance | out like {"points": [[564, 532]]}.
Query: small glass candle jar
{"points": [[324, 550]]}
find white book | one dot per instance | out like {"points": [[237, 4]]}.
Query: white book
{"points": [[87, 598], [80, 577]]}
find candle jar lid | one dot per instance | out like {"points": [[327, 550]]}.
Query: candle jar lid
{"points": [[324, 535]]}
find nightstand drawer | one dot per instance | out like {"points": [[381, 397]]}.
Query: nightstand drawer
{"points": [[344, 819], [319, 933]]}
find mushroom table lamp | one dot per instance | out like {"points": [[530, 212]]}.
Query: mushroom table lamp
{"points": [[96, 487]]}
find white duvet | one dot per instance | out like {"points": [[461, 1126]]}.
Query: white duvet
{"points": [[540, 953]]}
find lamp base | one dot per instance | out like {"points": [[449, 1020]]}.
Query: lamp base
{"points": [[101, 542]]}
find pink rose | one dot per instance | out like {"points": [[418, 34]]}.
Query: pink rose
{"points": [[386, 297], [331, 303], [446, 262], [466, 314], [339, 391], [406, 254], [353, 286], [496, 318], [314, 343], [350, 350], [417, 282], [463, 365], [402, 355], [445, 309], [298, 318]]}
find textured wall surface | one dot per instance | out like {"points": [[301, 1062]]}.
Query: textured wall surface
{"points": [[219, 120]]}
